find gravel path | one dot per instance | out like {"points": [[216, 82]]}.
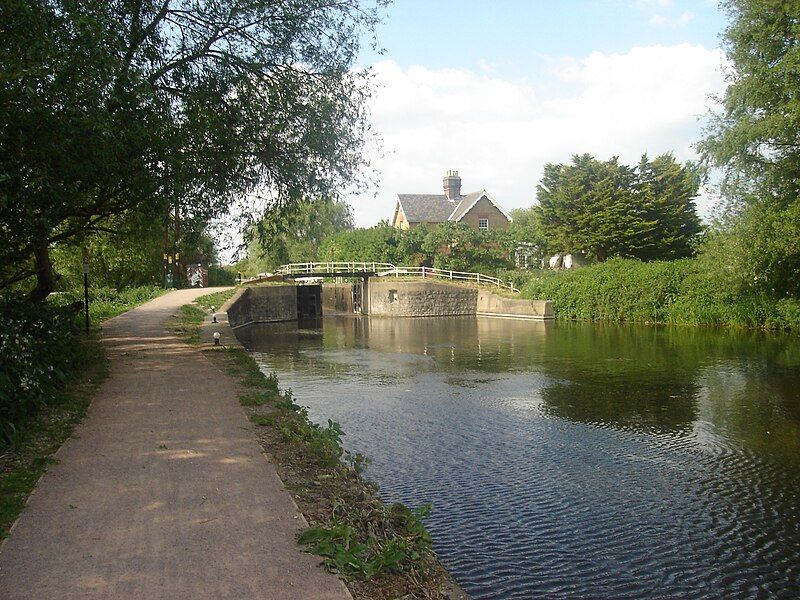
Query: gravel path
{"points": [[163, 491]]}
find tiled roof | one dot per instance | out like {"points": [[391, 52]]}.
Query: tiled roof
{"points": [[465, 204], [426, 208]]}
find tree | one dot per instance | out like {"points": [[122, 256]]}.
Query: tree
{"points": [[459, 247], [526, 235], [605, 209], [111, 106], [377, 244], [129, 254], [297, 235], [666, 192], [756, 140], [526, 227]]}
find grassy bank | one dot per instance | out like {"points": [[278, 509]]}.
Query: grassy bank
{"points": [[380, 550], [49, 370], [681, 292]]}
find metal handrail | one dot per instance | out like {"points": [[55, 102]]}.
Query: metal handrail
{"points": [[451, 275], [333, 267], [382, 269]]}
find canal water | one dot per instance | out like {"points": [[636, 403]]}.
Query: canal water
{"points": [[571, 460]]}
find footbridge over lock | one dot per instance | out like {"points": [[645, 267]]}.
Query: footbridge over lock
{"points": [[312, 270], [381, 289]]}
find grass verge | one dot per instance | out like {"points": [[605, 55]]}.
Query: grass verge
{"points": [[217, 299], [380, 550]]}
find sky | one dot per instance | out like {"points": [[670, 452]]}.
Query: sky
{"points": [[497, 89]]}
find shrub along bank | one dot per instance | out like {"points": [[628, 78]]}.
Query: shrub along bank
{"points": [[681, 291]]}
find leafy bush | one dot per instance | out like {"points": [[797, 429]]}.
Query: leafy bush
{"points": [[219, 275], [37, 355], [681, 291]]}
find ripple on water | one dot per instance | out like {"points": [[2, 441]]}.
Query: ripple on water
{"points": [[530, 503]]}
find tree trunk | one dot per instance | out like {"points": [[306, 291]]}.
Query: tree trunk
{"points": [[45, 277]]}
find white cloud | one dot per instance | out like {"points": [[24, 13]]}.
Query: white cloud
{"points": [[499, 134], [675, 22], [651, 3]]}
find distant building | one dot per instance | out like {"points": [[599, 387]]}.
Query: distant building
{"points": [[478, 209], [197, 275]]}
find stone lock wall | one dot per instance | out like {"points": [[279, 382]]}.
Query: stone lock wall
{"points": [[337, 297], [397, 298], [490, 304], [385, 297], [263, 304]]}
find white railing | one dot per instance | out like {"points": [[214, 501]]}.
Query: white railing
{"points": [[332, 268], [383, 270], [451, 275]]}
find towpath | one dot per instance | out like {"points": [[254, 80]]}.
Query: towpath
{"points": [[163, 491]]}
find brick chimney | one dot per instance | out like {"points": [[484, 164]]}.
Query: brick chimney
{"points": [[452, 186]]}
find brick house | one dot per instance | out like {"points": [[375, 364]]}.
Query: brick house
{"points": [[478, 209]]}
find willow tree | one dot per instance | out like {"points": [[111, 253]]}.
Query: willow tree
{"points": [[112, 106]]}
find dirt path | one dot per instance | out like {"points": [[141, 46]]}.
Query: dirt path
{"points": [[163, 491]]}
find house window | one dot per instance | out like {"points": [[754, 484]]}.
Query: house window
{"points": [[483, 224]]}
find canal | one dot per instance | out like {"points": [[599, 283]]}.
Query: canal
{"points": [[570, 460]]}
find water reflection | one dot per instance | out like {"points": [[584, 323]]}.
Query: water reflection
{"points": [[570, 460]]}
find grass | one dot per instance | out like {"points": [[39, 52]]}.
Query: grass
{"points": [[379, 550], [186, 323], [216, 299], [105, 303]]}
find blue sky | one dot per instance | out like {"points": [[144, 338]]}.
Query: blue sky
{"points": [[514, 35], [498, 89]]}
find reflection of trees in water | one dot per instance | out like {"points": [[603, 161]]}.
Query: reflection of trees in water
{"points": [[658, 379], [666, 378], [633, 377], [651, 405], [757, 405]]}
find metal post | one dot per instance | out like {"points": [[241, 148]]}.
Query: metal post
{"points": [[86, 299], [86, 286]]}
